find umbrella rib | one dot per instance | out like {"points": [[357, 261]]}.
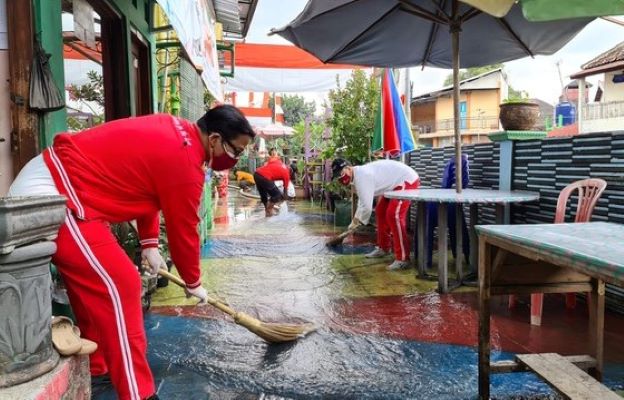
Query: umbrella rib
{"points": [[330, 58], [441, 9], [421, 12], [470, 14], [432, 35], [513, 34]]}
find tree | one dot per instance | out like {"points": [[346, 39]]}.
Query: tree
{"points": [[353, 116], [317, 127], [91, 92], [514, 94], [295, 108]]}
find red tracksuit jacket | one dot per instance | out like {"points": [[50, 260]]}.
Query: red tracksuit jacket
{"points": [[131, 169], [275, 170]]}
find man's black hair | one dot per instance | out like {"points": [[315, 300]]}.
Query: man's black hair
{"points": [[226, 120]]}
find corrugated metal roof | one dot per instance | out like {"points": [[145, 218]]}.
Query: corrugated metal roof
{"points": [[235, 15], [478, 82], [609, 56]]}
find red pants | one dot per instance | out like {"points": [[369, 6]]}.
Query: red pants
{"points": [[104, 290], [390, 216]]}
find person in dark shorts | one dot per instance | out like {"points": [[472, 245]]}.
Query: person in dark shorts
{"points": [[265, 177]]}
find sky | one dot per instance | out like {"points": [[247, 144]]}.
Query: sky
{"points": [[538, 76]]}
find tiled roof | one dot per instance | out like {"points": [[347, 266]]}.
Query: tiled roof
{"points": [[609, 56]]}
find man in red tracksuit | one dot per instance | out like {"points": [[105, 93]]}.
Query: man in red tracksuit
{"points": [[265, 177], [124, 170]]}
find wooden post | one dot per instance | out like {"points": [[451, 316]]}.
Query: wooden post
{"points": [[442, 248], [25, 133], [485, 255], [459, 241], [596, 324], [474, 245], [421, 221]]}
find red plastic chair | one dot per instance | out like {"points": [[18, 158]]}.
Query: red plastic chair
{"points": [[589, 191]]}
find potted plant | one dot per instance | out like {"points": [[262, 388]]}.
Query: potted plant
{"points": [[519, 114], [340, 203]]}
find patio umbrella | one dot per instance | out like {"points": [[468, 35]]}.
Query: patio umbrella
{"points": [[402, 33], [549, 10], [272, 131], [392, 131]]}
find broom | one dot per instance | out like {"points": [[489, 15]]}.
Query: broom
{"points": [[338, 239], [271, 332]]}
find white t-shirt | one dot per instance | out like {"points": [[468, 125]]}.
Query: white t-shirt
{"points": [[33, 180], [376, 178]]}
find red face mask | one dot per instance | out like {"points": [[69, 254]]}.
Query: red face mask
{"points": [[345, 179], [222, 162]]}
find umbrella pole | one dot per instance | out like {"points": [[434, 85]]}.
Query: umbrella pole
{"points": [[455, 28]]}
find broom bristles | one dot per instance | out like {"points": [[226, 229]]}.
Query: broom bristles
{"points": [[274, 332]]}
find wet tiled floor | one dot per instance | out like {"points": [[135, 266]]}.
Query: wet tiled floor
{"points": [[381, 334]]}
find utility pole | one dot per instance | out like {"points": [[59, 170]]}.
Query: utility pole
{"points": [[565, 93]]}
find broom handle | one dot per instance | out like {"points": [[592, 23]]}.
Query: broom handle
{"points": [[212, 301]]}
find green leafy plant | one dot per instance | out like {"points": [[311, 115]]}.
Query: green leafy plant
{"points": [[295, 108], [353, 117], [337, 189]]}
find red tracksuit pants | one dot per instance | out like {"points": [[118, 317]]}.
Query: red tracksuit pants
{"points": [[104, 290], [391, 230]]}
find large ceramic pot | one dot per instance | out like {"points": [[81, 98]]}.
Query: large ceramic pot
{"points": [[519, 116]]}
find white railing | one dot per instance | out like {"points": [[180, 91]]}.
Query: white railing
{"points": [[606, 110]]}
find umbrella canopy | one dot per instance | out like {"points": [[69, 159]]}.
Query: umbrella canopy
{"points": [[549, 10], [439, 33], [401, 33], [273, 131], [392, 132]]}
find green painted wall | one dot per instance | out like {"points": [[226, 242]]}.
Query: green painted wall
{"points": [[47, 15], [48, 23], [138, 18]]}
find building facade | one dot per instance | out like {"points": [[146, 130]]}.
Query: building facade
{"points": [[606, 112], [432, 113]]}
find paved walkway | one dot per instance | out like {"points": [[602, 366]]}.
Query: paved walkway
{"points": [[382, 335]]}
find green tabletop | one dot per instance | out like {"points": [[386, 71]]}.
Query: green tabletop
{"points": [[467, 196], [595, 248]]}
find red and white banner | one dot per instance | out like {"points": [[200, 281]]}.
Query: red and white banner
{"points": [[282, 68]]}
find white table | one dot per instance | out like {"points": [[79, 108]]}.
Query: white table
{"points": [[443, 197]]}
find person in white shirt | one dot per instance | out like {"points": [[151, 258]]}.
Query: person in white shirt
{"points": [[372, 181]]}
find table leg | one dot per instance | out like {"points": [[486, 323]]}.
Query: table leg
{"points": [[459, 239], [485, 268], [422, 239], [596, 324], [500, 214], [442, 248], [474, 244]]}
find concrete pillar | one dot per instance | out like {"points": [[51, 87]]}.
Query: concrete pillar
{"points": [[505, 174], [580, 104], [28, 227]]}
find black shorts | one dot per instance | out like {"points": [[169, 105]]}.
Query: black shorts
{"points": [[267, 189]]}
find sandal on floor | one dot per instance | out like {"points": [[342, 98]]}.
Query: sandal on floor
{"points": [[64, 339], [88, 346]]}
